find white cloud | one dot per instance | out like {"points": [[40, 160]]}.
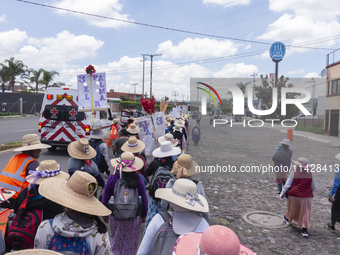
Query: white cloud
{"points": [[227, 3], [12, 40], [3, 18], [297, 71], [247, 47], [235, 70], [197, 48], [312, 75], [107, 8]]}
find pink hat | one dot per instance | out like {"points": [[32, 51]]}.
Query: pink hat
{"points": [[215, 240]]}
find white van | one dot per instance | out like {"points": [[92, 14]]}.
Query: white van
{"points": [[60, 122]]}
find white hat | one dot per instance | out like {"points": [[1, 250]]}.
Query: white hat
{"points": [[166, 150], [99, 133], [286, 142], [168, 137]]}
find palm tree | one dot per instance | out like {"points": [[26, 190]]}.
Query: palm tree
{"points": [[14, 69], [36, 77], [48, 77], [3, 77]]}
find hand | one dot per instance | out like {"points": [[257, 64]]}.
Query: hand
{"points": [[143, 220], [330, 198], [106, 219]]}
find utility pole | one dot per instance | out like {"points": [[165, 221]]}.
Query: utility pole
{"points": [[151, 56], [134, 91], [313, 92], [183, 98], [175, 94], [254, 74], [144, 58]]}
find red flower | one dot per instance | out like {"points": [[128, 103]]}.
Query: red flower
{"points": [[90, 69]]}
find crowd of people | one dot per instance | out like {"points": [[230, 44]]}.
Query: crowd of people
{"points": [[60, 211]]}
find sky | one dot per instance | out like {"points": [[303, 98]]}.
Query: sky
{"points": [[194, 39]]}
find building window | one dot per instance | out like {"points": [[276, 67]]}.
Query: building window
{"points": [[326, 121], [329, 88], [334, 87]]}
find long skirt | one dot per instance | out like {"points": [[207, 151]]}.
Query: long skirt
{"points": [[336, 207], [154, 207], [124, 236], [299, 209]]}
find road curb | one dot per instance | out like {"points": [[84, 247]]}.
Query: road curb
{"points": [[6, 146]]}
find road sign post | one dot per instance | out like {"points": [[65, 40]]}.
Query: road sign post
{"points": [[277, 52]]}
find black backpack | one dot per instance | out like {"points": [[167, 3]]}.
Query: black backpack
{"points": [[159, 180], [99, 159]]}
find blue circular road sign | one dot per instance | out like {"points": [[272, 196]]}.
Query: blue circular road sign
{"points": [[277, 51]]}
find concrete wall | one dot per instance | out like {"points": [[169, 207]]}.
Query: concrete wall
{"points": [[31, 102]]}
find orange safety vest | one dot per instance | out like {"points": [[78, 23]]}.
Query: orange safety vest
{"points": [[13, 177], [113, 132]]}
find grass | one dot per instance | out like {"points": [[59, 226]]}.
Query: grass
{"points": [[316, 130], [13, 143], [7, 113]]}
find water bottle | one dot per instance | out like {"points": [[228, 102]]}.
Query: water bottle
{"points": [[11, 217]]}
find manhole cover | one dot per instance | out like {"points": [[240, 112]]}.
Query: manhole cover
{"points": [[264, 219]]}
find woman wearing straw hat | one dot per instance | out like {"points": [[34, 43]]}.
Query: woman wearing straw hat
{"points": [[196, 134], [13, 179], [282, 158], [48, 169], [82, 154], [80, 218], [125, 234], [184, 216], [119, 142], [299, 188], [114, 130], [181, 124], [215, 240], [133, 130], [185, 167]]}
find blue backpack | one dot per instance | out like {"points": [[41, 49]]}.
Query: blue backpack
{"points": [[58, 243]]}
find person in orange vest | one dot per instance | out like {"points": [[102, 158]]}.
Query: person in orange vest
{"points": [[13, 177], [115, 128]]}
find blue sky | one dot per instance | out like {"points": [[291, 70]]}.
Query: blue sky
{"points": [[67, 42]]}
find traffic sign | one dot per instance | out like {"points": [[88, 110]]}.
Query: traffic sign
{"points": [[277, 51]]}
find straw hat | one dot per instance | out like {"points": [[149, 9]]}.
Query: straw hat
{"points": [[286, 142], [77, 193], [301, 162], [31, 142], [168, 137], [98, 133], [133, 145], [184, 166], [46, 169], [180, 123], [184, 194], [81, 149], [165, 150], [35, 252], [215, 239], [114, 121], [133, 129], [127, 163], [132, 118], [5, 194], [177, 128]]}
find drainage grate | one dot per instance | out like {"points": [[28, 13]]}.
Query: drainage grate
{"points": [[264, 219]]}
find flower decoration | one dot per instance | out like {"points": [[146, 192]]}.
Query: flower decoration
{"points": [[148, 104], [90, 70], [86, 149]]}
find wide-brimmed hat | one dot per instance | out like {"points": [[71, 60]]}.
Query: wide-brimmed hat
{"points": [[177, 128], [286, 142], [36, 252], [127, 162], [99, 133], [168, 137], [133, 145], [77, 193], [81, 149], [5, 194], [132, 118], [114, 121], [165, 150], [184, 194], [180, 123], [31, 142], [215, 239], [133, 129], [184, 166], [301, 162], [46, 169]]}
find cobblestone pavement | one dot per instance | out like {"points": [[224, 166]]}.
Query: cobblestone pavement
{"points": [[231, 195]]}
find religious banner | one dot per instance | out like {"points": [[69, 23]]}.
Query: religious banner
{"points": [[92, 92], [159, 123], [184, 109], [176, 112], [147, 135]]}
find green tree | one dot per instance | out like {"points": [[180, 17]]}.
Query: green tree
{"points": [[13, 69], [3, 77], [36, 77], [48, 77]]}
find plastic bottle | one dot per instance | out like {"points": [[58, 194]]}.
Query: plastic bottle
{"points": [[11, 217]]}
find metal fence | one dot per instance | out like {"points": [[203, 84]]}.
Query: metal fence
{"points": [[31, 103]]}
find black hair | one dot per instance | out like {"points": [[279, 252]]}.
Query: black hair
{"points": [[131, 179], [172, 122], [123, 132], [129, 121], [285, 146], [102, 229]]}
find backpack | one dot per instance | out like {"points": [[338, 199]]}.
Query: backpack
{"points": [[25, 224], [99, 159], [159, 180], [125, 202], [196, 131], [58, 243], [165, 238]]}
